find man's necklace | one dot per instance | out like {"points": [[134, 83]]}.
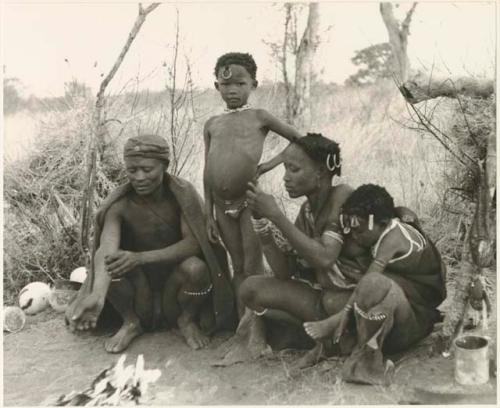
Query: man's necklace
{"points": [[240, 109]]}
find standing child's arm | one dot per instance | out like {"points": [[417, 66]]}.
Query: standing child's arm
{"points": [[288, 132], [213, 234], [270, 164]]}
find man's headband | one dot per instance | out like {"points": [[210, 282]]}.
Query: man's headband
{"points": [[147, 146]]}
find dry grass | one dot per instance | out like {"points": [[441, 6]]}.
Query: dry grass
{"points": [[42, 200], [371, 124]]}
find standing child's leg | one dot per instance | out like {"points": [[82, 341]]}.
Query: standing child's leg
{"points": [[230, 231], [253, 265], [253, 259], [246, 253], [252, 249]]}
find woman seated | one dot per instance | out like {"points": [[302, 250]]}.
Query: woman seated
{"points": [[349, 268]]}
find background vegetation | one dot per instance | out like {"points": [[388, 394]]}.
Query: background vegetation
{"points": [[46, 142]]}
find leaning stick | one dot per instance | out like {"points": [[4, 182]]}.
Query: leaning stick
{"points": [[97, 141]]}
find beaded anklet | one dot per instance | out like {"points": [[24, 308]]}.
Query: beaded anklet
{"points": [[201, 293]]}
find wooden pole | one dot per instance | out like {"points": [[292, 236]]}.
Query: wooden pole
{"points": [[97, 140]]}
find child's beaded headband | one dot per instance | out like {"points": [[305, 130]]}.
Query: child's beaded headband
{"points": [[353, 222]]}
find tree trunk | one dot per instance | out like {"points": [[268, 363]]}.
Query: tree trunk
{"points": [[398, 38], [304, 68], [283, 60]]}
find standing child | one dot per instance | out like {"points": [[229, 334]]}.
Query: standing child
{"points": [[233, 148]]}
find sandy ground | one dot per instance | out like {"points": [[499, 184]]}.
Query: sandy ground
{"points": [[44, 360]]}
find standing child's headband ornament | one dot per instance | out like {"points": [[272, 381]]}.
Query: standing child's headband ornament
{"points": [[227, 73], [332, 162]]}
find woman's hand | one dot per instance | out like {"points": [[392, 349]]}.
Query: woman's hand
{"points": [[121, 262], [261, 203]]}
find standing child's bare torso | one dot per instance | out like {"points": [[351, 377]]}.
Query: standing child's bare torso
{"points": [[236, 144]]}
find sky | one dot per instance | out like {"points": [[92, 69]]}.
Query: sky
{"points": [[451, 38]]}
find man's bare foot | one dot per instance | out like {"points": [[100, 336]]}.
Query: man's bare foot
{"points": [[193, 335], [311, 358], [320, 330], [123, 337]]}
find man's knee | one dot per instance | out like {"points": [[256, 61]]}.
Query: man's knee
{"points": [[371, 289], [195, 271]]}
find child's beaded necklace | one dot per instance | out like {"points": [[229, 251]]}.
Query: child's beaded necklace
{"points": [[241, 108]]}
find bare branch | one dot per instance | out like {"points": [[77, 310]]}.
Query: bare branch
{"points": [[398, 37], [133, 33], [421, 88], [405, 26], [149, 8]]}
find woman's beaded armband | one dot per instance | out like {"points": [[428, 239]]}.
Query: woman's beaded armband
{"points": [[266, 228]]}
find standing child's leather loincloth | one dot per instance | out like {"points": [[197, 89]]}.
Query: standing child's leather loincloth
{"points": [[233, 208]]}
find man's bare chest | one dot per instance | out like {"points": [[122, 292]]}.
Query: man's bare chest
{"points": [[150, 226]]}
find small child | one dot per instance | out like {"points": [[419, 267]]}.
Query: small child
{"points": [[233, 148]]}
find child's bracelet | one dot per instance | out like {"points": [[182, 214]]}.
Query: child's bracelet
{"points": [[379, 263]]}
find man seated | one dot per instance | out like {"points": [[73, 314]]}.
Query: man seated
{"points": [[152, 259]]}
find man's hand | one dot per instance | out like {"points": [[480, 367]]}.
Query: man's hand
{"points": [[212, 230], [261, 203], [84, 312], [121, 263]]}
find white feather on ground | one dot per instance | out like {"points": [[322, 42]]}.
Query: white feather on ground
{"points": [[116, 385]]}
